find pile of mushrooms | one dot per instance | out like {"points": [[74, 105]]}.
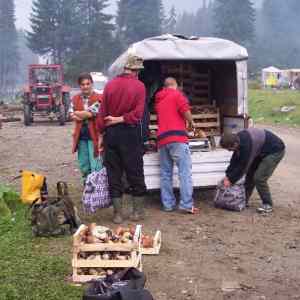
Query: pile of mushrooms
{"points": [[99, 234]]}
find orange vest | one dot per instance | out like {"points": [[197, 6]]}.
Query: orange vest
{"points": [[78, 106]]}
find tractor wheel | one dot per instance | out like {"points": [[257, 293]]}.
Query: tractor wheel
{"points": [[66, 102], [28, 119], [62, 115]]}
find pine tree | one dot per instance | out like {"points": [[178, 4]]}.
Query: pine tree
{"points": [[121, 22], [138, 20], [235, 20], [8, 47], [204, 19], [186, 24], [171, 21], [53, 28], [97, 45], [27, 57], [278, 34]]}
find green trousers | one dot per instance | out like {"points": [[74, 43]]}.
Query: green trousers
{"points": [[87, 162], [259, 174]]}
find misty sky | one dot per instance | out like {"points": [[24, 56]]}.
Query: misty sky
{"points": [[23, 8]]}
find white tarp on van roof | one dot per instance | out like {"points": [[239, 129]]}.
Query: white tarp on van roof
{"points": [[170, 47]]}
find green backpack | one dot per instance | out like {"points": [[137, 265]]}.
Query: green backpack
{"points": [[54, 217]]}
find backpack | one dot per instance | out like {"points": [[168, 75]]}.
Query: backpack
{"points": [[232, 198], [96, 192], [54, 217]]}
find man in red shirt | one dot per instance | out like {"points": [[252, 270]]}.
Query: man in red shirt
{"points": [[173, 111], [120, 118]]}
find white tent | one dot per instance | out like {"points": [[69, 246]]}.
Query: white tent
{"points": [[271, 76]]}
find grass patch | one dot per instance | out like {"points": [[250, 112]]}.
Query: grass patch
{"points": [[264, 106], [33, 268]]}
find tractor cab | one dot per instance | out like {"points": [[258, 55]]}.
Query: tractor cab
{"points": [[46, 94]]}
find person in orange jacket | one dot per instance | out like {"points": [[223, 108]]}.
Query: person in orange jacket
{"points": [[83, 111]]}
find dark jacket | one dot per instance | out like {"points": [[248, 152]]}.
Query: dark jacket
{"points": [[242, 158]]}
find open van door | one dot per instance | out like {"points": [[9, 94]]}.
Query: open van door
{"points": [[242, 82]]}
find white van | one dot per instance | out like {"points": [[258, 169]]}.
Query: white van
{"points": [[99, 81], [211, 72]]}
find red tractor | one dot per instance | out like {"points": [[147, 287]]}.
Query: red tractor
{"points": [[46, 94]]}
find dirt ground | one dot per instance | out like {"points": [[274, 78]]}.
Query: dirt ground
{"points": [[200, 254]]}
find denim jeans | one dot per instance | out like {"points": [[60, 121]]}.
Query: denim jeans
{"points": [[178, 153]]}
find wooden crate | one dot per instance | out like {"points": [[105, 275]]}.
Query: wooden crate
{"points": [[156, 246], [79, 246], [208, 122]]}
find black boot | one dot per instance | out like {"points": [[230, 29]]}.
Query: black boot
{"points": [[127, 206], [138, 209], [117, 204]]}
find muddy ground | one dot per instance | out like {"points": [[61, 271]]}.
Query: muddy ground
{"points": [[200, 254]]}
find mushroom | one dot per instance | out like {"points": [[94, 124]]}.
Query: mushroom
{"points": [[147, 241], [105, 256], [93, 272], [91, 257], [119, 231]]}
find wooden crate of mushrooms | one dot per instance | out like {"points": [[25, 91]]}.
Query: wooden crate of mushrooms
{"points": [[99, 251], [207, 121]]}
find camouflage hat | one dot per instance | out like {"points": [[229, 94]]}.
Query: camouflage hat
{"points": [[134, 63]]}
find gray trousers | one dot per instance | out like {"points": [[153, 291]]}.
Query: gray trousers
{"points": [[258, 175]]}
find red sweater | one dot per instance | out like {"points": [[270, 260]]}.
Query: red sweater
{"points": [[123, 96], [170, 105]]}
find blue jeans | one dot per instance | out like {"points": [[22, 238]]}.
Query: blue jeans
{"points": [[178, 153]]}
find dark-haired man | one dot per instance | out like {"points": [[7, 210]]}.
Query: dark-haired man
{"points": [[257, 153], [83, 111], [121, 116]]}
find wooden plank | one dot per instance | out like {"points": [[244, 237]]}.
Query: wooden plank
{"points": [[205, 116], [207, 125], [200, 99], [107, 247], [153, 117], [98, 263], [85, 278], [153, 127], [200, 75]]}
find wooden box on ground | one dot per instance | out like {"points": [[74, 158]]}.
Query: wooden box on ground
{"points": [[156, 245], [133, 250]]}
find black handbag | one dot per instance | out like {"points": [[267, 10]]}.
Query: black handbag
{"points": [[125, 285]]}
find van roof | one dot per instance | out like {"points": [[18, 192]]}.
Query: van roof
{"points": [[175, 47]]}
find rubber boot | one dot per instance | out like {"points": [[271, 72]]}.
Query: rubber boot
{"points": [[138, 209], [117, 204], [127, 206]]}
